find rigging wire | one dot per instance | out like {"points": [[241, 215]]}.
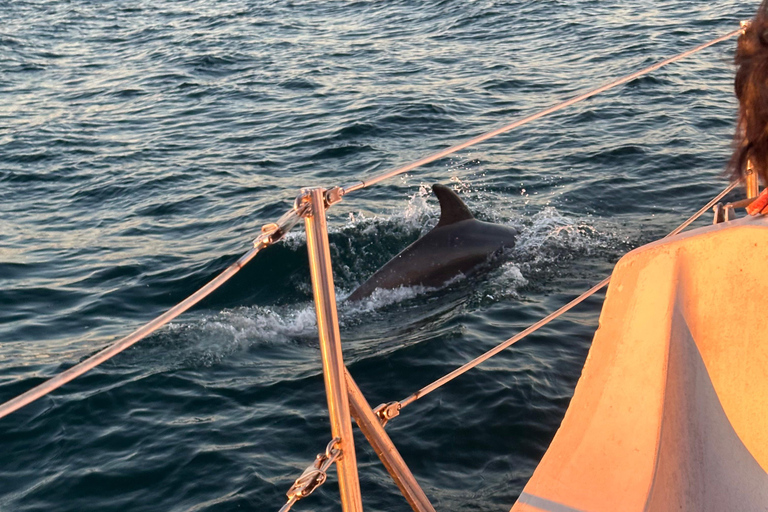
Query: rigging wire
{"points": [[516, 124], [270, 234], [544, 321], [275, 231]]}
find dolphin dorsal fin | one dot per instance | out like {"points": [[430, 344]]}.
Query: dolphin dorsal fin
{"points": [[452, 208]]}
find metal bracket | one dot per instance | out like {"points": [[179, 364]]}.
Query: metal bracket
{"points": [[386, 412], [330, 197], [303, 203], [333, 196], [274, 231], [723, 213], [314, 476]]}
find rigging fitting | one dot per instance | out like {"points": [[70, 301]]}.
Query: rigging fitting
{"points": [[314, 476], [386, 412]]}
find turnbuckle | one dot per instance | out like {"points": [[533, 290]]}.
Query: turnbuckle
{"points": [[386, 412], [314, 476]]}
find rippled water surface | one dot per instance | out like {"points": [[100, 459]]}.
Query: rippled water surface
{"points": [[143, 144]]}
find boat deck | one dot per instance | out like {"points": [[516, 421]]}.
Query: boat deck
{"points": [[671, 410]]}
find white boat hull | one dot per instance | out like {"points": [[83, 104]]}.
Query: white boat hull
{"points": [[671, 410]]}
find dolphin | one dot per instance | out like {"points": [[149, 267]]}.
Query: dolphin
{"points": [[459, 243]]}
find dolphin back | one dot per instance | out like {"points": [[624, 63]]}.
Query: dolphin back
{"points": [[458, 244]]}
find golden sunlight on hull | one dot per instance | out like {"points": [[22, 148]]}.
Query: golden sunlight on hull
{"points": [[671, 411]]}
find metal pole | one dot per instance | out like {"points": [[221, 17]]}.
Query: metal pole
{"points": [[385, 449], [751, 182], [330, 348]]}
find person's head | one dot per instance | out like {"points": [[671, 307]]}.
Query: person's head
{"points": [[751, 87]]}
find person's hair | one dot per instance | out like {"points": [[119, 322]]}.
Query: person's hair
{"points": [[751, 87]]}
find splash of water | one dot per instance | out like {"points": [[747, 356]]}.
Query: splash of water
{"points": [[546, 238]]}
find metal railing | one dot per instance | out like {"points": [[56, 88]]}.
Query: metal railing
{"points": [[345, 400]]}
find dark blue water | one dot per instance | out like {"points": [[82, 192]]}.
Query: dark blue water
{"points": [[144, 143]]}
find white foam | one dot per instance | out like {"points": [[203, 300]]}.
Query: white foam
{"points": [[549, 233], [546, 239], [380, 298], [512, 276]]}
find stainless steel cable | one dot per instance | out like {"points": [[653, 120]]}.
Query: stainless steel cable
{"points": [[273, 232], [270, 234], [391, 410], [516, 124]]}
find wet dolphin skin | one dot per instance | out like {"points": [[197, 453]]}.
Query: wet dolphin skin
{"points": [[459, 243]]}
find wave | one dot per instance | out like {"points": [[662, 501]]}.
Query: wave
{"points": [[548, 240]]}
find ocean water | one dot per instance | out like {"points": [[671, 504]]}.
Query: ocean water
{"points": [[143, 144]]}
